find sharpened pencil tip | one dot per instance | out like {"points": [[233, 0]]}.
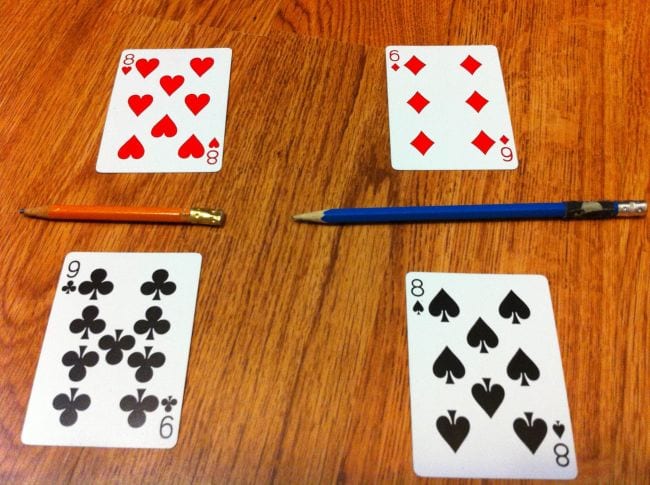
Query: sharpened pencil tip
{"points": [[21, 211], [316, 216]]}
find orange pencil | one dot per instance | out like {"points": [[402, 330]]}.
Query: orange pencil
{"points": [[195, 215]]}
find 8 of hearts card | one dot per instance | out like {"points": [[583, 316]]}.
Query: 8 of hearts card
{"points": [[167, 112]]}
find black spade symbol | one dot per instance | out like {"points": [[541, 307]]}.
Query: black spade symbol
{"points": [[418, 308], [481, 334], [531, 432], [448, 365], [443, 304], [489, 398], [454, 430], [521, 367], [513, 307]]}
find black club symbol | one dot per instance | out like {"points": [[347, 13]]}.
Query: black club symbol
{"points": [[146, 363], [115, 346], [138, 406], [78, 362], [70, 405], [69, 287], [88, 322], [96, 284], [169, 403], [152, 323], [158, 285]]}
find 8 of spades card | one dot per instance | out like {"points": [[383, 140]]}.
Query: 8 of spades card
{"points": [[488, 398], [114, 358], [167, 112], [448, 109]]}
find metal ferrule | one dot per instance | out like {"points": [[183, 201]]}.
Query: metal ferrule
{"points": [[206, 217], [632, 208]]}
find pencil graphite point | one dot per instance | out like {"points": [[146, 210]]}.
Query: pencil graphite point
{"points": [[40, 212], [316, 216]]}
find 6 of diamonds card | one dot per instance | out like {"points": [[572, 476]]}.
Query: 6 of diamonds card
{"points": [[167, 112], [114, 358], [448, 109], [488, 398]]}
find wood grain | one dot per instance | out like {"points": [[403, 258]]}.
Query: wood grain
{"points": [[298, 366]]}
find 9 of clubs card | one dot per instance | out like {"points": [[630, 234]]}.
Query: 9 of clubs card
{"points": [[488, 398], [447, 109], [167, 112], [112, 367]]}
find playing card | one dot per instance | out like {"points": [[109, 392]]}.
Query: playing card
{"points": [[447, 109], [112, 367], [167, 112], [488, 398]]}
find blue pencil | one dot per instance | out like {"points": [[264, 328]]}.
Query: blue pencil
{"points": [[603, 209]]}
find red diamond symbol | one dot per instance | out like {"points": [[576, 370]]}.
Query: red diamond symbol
{"points": [[504, 139], [476, 101], [483, 142], [422, 143], [418, 102], [470, 64], [414, 65], [394, 67]]}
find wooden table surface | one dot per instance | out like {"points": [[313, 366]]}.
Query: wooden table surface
{"points": [[298, 369]]}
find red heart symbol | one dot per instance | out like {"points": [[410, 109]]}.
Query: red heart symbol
{"points": [[165, 126], [146, 66], [200, 66], [191, 148], [132, 148], [214, 143], [126, 69], [139, 103], [196, 103], [171, 84]]}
